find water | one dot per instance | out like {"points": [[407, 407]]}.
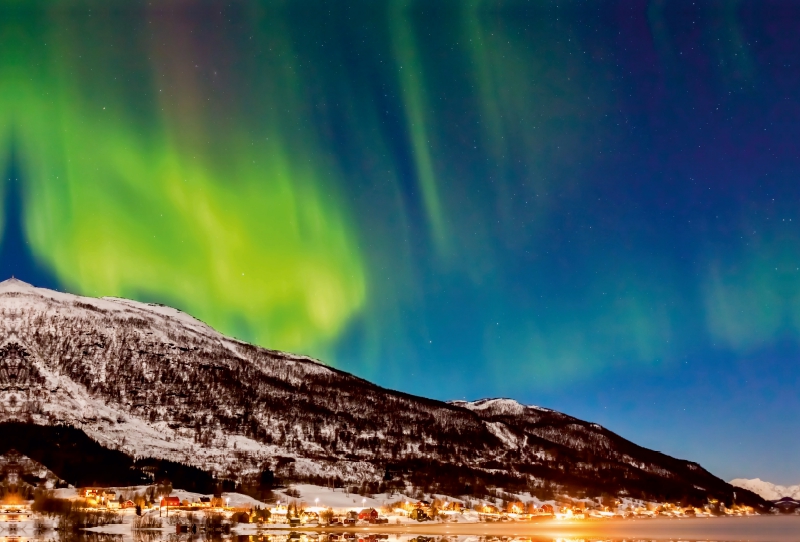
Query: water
{"points": [[753, 529]]}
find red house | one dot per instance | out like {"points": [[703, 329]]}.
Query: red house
{"points": [[170, 501], [368, 514], [547, 509]]}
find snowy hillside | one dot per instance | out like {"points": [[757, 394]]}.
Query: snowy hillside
{"points": [[769, 491], [154, 382]]}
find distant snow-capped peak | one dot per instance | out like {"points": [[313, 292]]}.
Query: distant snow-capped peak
{"points": [[767, 490]]}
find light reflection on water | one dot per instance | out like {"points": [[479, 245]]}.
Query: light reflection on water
{"points": [[149, 536]]}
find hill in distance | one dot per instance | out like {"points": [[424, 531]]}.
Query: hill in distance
{"points": [[149, 381], [768, 490]]}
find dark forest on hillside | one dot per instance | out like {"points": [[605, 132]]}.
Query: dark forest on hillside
{"points": [[83, 462]]}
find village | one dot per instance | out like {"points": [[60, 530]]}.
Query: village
{"points": [[34, 499], [120, 510]]}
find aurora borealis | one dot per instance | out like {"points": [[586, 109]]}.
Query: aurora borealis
{"points": [[588, 206]]}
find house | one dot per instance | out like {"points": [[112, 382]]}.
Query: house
{"points": [[453, 506], [128, 504], [515, 507], [170, 501], [99, 498], [418, 514], [547, 509], [368, 514], [205, 502]]}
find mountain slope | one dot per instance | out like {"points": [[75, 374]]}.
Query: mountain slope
{"points": [[767, 490], [154, 382], [72, 457]]}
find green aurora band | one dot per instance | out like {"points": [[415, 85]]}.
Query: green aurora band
{"points": [[135, 187], [291, 177]]}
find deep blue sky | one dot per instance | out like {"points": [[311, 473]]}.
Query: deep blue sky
{"points": [[589, 207]]}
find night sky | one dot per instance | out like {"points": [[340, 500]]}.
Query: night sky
{"points": [[589, 206]]}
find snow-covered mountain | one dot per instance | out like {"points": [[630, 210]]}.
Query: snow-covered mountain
{"points": [[768, 490], [152, 381]]}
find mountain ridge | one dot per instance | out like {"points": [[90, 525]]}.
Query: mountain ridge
{"points": [[155, 382], [768, 490]]}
